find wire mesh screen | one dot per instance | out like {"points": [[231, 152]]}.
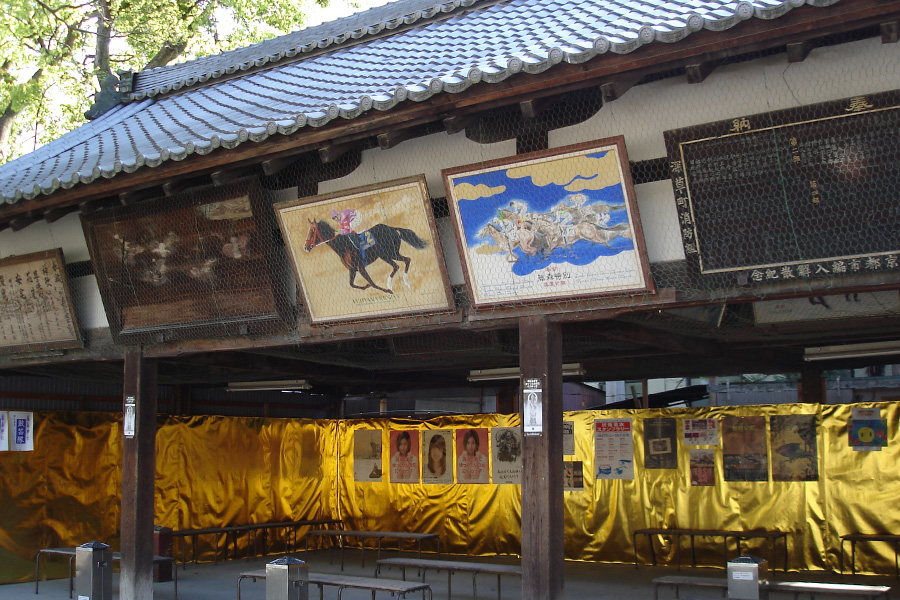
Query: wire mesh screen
{"points": [[761, 199]]}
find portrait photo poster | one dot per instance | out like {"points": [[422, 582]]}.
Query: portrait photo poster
{"points": [[367, 464], [404, 456], [506, 462], [437, 456], [472, 449]]}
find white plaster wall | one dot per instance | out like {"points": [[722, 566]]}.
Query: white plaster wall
{"points": [[65, 233]]}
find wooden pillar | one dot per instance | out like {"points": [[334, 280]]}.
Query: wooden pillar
{"points": [[812, 387], [138, 472], [543, 548]]}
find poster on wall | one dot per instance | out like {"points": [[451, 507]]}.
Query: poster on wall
{"points": [[367, 464], [701, 432], [867, 431], [4, 431], [703, 466], [36, 309], [794, 451], [660, 445], [471, 455], [21, 431], [573, 476], [613, 449], [405, 457], [367, 252], [506, 462], [744, 449], [556, 223], [568, 432], [437, 467]]}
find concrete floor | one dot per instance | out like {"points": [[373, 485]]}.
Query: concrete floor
{"points": [[584, 581]]}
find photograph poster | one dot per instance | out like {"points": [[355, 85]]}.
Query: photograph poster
{"points": [[794, 452], [660, 445], [404, 456], [744, 449], [506, 462], [613, 449], [437, 456], [568, 433], [471, 455], [573, 476], [557, 223], [367, 464], [703, 466], [701, 432]]}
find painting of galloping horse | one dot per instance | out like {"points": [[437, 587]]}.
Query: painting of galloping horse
{"points": [[367, 252]]}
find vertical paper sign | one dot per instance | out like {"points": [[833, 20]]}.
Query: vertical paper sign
{"points": [[573, 476], [435, 461], [660, 449], [867, 430], [703, 467], [21, 431], [4, 431], [613, 449], [405, 461], [701, 432], [471, 460], [532, 412], [128, 417], [744, 449], [794, 452], [367, 455], [568, 438], [506, 464]]}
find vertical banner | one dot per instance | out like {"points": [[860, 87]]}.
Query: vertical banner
{"points": [[471, 460], [794, 453], [506, 462], [21, 431], [701, 432], [867, 431], [532, 412], [660, 446], [437, 467], [703, 466], [128, 417], [744, 449], [4, 431], [613, 449], [573, 476], [367, 455], [405, 461]]}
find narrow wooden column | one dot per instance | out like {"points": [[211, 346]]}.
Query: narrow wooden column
{"points": [[543, 536], [138, 472], [812, 388]]}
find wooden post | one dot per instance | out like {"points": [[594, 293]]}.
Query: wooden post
{"points": [[812, 388], [543, 549], [138, 473]]}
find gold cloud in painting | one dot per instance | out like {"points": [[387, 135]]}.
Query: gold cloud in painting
{"points": [[574, 173], [467, 191]]}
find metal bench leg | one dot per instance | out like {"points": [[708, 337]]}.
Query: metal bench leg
{"points": [[37, 558], [71, 581], [474, 589], [498, 587]]}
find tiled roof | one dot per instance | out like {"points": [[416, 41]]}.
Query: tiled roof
{"points": [[350, 66]]}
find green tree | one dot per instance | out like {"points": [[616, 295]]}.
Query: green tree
{"points": [[55, 55]]}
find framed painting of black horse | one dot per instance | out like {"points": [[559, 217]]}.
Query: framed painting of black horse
{"points": [[367, 252]]}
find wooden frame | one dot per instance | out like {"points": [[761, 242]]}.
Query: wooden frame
{"points": [[549, 225], [392, 256], [192, 265], [36, 309]]}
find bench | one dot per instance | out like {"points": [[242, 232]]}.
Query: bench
{"points": [[400, 588], [400, 536], [772, 535], [70, 552], [450, 566], [868, 537], [869, 592]]}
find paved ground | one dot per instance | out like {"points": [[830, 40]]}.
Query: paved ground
{"points": [[584, 581]]}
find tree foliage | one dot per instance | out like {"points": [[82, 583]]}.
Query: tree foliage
{"points": [[54, 54]]}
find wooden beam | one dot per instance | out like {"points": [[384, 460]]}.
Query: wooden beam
{"points": [[138, 476], [697, 72], [92, 206], [613, 90], [543, 533], [890, 32], [531, 108], [180, 186], [275, 165], [812, 387], [390, 139], [332, 152], [20, 223], [227, 176], [453, 125], [138, 196], [798, 51], [56, 214]]}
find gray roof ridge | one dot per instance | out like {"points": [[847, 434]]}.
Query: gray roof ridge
{"points": [[371, 22]]}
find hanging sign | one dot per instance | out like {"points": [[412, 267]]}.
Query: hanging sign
{"points": [[128, 418], [532, 417]]}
